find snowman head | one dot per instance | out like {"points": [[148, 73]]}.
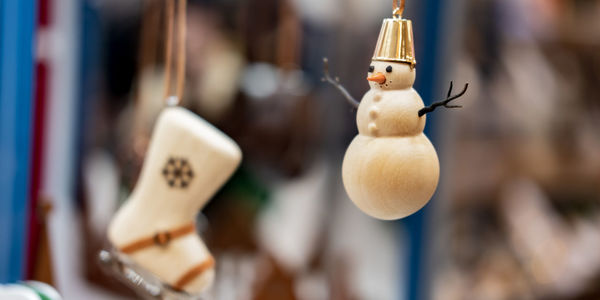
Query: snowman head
{"points": [[387, 75]]}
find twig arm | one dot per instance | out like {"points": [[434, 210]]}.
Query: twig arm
{"points": [[444, 103], [336, 83]]}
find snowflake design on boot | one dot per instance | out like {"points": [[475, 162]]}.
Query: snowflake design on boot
{"points": [[178, 172]]}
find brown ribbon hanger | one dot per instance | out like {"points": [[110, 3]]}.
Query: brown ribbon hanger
{"points": [[175, 98]]}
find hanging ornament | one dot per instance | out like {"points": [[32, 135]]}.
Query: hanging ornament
{"points": [[156, 250], [391, 169]]}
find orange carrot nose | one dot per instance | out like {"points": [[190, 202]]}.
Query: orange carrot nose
{"points": [[379, 78]]}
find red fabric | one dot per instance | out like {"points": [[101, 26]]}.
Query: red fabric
{"points": [[37, 153], [36, 165], [44, 13]]}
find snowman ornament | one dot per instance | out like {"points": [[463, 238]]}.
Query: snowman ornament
{"points": [[391, 169]]}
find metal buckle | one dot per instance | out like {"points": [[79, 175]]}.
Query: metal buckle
{"points": [[162, 238]]}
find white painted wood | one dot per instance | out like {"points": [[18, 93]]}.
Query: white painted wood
{"points": [[157, 206]]}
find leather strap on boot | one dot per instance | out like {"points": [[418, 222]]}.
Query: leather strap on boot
{"points": [[161, 239], [194, 272]]}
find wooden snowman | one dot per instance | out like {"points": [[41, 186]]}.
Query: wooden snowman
{"points": [[391, 169]]}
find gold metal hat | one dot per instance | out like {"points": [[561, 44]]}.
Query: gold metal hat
{"points": [[395, 41]]}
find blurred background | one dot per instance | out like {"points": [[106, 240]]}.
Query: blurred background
{"points": [[516, 215]]}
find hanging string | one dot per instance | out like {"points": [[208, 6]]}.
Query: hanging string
{"points": [[398, 9], [168, 47], [174, 99], [181, 27], [149, 43]]}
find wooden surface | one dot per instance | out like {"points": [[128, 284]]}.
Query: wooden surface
{"points": [[390, 169], [205, 158]]}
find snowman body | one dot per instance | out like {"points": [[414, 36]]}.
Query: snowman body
{"points": [[390, 169]]}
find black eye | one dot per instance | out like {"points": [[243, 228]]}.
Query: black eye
{"points": [[371, 69], [388, 69]]}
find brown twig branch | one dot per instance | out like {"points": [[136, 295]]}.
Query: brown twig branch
{"points": [[336, 83], [444, 103]]}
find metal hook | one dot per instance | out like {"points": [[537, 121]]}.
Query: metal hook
{"points": [[398, 8]]}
